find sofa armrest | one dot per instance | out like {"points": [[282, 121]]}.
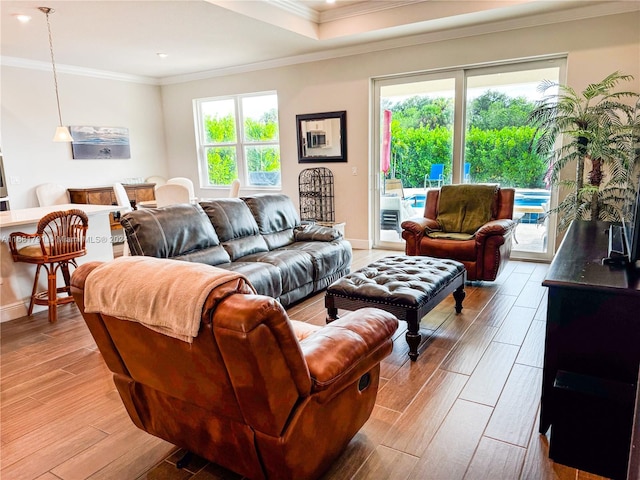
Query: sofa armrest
{"points": [[344, 350], [494, 227], [315, 233]]}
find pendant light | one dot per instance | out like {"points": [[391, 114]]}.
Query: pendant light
{"points": [[62, 133]]}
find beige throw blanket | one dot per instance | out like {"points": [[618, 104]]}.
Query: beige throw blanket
{"points": [[165, 295]]}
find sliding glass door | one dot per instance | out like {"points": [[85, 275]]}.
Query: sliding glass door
{"points": [[464, 126]]}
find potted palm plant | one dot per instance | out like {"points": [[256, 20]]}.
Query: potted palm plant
{"points": [[600, 131]]}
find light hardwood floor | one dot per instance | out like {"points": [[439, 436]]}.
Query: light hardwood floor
{"points": [[468, 408]]}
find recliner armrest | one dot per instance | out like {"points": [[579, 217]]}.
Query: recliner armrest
{"points": [[417, 225], [494, 227], [339, 353]]}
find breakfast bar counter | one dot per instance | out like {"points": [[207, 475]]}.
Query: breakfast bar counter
{"points": [[16, 279]]}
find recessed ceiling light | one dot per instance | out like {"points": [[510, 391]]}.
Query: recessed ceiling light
{"points": [[162, 55], [22, 18], [331, 1]]}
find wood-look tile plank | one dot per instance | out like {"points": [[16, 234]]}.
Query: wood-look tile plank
{"points": [[541, 311], [386, 463], [514, 286], [516, 325], [32, 367], [401, 389], [417, 425], [362, 444], [100, 454], [32, 385], [138, 459], [462, 427], [531, 294], [467, 352], [496, 310], [487, 381], [46, 458], [532, 351], [516, 411], [495, 460]]}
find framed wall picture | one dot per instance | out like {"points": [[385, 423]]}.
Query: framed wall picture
{"points": [[100, 143], [322, 137]]}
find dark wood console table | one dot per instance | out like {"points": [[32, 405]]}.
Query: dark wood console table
{"points": [[592, 353], [137, 192]]}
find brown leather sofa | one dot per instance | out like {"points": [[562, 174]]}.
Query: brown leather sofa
{"points": [[484, 254], [255, 392]]}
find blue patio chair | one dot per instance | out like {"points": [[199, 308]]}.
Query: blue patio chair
{"points": [[466, 178], [435, 175]]}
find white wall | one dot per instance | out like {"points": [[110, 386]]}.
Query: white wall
{"points": [[595, 48], [29, 117]]}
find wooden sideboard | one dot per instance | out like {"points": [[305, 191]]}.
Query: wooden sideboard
{"points": [[592, 353], [137, 192]]}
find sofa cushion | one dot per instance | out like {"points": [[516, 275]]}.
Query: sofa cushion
{"points": [[265, 278], [327, 258], [235, 226], [179, 231], [276, 217], [295, 267]]}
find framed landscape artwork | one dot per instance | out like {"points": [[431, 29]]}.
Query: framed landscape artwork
{"points": [[100, 143]]}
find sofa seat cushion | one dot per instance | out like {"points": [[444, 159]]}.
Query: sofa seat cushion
{"points": [[327, 258], [178, 231], [294, 266], [265, 278], [236, 228], [276, 217]]}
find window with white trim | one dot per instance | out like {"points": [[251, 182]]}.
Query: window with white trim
{"points": [[237, 137]]}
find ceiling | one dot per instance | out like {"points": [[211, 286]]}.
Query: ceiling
{"points": [[214, 37]]}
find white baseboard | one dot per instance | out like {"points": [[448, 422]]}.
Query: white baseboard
{"points": [[14, 310], [358, 244]]}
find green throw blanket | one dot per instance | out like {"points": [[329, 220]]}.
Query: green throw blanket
{"points": [[465, 208]]}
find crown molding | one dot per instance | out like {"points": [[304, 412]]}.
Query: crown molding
{"points": [[364, 8], [297, 8], [73, 70], [550, 18]]}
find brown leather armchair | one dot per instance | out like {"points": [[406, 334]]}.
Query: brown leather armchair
{"points": [[255, 392], [484, 253]]}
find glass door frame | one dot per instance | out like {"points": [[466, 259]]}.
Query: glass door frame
{"points": [[460, 76]]}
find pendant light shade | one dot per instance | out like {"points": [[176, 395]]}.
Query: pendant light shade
{"points": [[62, 133]]}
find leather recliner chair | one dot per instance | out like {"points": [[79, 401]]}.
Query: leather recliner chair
{"points": [[255, 392], [484, 252]]}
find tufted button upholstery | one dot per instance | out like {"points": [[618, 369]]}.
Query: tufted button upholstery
{"points": [[399, 280]]}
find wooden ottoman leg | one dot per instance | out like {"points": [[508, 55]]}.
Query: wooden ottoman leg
{"points": [[332, 310], [413, 335], [459, 295]]}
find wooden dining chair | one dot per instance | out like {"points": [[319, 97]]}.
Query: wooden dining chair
{"points": [[59, 239]]}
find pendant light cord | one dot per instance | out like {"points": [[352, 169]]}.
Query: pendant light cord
{"points": [[46, 11]]}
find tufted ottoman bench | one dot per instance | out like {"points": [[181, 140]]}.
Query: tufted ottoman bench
{"points": [[407, 286]]}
